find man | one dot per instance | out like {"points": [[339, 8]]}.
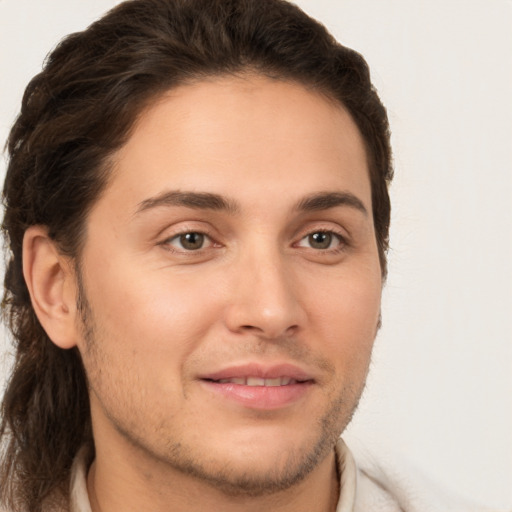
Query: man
{"points": [[197, 216]]}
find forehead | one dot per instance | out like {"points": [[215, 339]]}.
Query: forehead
{"points": [[242, 136]]}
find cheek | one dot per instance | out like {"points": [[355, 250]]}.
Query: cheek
{"points": [[152, 312], [145, 329], [346, 316]]}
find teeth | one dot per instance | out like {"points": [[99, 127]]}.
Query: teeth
{"points": [[255, 381], [258, 381]]}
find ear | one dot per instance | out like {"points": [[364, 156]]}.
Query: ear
{"points": [[51, 282]]}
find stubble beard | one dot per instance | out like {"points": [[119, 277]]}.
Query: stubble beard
{"points": [[298, 466], [181, 458]]}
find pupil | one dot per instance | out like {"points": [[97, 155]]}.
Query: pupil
{"points": [[320, 240], [192, 240]]}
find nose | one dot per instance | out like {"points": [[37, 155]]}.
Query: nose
{"points": [[265, 297]]}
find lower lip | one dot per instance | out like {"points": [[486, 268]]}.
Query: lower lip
{"points": [[260, 397]]}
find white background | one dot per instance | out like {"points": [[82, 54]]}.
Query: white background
{"points": [[440, 390]]}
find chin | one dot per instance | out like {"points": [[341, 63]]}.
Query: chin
{"points": [[258, 470], [256, 461]]}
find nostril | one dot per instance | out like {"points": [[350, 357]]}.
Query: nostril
{"points": [[255, 317], [269, 333], [250, 328]]}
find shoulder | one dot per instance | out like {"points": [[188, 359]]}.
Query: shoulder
{"points": [[392, 486]]}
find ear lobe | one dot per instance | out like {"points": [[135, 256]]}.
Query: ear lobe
{"points": [[52, 286]]}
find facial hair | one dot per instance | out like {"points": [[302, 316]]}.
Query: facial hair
{"points": [[181, 457]]}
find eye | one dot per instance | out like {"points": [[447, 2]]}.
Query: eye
{"points": [[189, 241], [322, 240]]}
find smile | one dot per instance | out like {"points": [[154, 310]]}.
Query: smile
{"points": [[258, 381], [262, 387]]}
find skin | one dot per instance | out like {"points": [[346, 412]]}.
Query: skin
{"points": [[260, 290]]}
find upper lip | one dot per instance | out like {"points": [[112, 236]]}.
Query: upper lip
{"points": [[263, 371]]}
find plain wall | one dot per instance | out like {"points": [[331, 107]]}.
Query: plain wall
{"points": [[440, 389]]}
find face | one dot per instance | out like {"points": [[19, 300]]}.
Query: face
{"points": [[232, 283]]}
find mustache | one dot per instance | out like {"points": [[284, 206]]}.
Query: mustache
{"points": [[269, 350]]}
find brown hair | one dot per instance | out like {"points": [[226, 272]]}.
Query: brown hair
{"points": [[74, 115]]}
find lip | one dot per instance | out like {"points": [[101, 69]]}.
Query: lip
{"points": [[260, 370], [259, 397]]}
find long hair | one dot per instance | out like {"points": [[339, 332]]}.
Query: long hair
{"points": [[74, 115]]}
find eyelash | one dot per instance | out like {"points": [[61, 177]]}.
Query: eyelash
{"points": [[342, 242], [340, 247], [167, 242]]}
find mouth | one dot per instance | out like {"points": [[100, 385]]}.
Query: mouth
{"points": [[259, 387], [258, 381]]}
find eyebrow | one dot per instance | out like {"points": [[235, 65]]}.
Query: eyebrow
{"points": [[325, 200], [209, 201], [196, 200]]}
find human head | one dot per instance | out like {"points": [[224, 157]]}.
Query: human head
{"points": [[81, 109]]}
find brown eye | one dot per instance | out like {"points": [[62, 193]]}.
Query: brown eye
{"points": [[191, 241], [320, 240]]}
